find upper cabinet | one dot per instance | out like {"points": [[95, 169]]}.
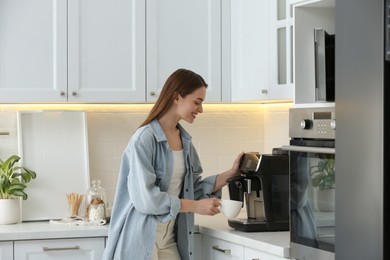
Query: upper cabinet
{"points": [[98, 51], [308, 16], [261, 51], [72, 51], [106, 51], [33, 51], [183, 34]]}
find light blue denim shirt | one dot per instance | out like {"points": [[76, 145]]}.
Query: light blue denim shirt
{"points": [[141, 199]]}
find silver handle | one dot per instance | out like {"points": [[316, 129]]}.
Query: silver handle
{"points": [[225, 251], [4, 133], [152, 93], [264, 91], [308, 149], [74, 93], [50, 249], [255, 258], [62, 93]]}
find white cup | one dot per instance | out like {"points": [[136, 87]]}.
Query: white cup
{"points": [[230, 208]]}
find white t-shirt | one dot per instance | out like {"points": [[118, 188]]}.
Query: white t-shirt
{"points": [[178, 173]]}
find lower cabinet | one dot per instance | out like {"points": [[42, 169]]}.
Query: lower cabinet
{"points": [[6, 250], [215, 249], [75, 249], [252, 254]]}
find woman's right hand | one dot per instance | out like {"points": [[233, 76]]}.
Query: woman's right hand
{"points": [[208, 206]]}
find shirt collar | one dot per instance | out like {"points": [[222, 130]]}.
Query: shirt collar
{"points": [[159, 133]]}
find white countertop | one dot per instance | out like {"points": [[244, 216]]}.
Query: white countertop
{"points": [[46, 230], [277, 243]]}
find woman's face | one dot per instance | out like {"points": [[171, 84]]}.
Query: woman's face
{"points": [[189, 106]]}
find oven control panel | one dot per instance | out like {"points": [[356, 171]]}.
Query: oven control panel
{"points": [[313, 123]]}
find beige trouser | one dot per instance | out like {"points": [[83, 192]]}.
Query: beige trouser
{"points": [[165, 247]]}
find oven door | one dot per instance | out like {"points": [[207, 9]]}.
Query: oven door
{"points": [[312, 200]]}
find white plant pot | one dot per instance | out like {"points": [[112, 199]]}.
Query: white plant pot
{"points": [[10, 211], [326, 200]]}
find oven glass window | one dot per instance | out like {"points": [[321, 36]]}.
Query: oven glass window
{"points": [[312, 188]]}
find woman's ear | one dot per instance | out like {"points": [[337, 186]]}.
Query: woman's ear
{"points": [[176, 97]]}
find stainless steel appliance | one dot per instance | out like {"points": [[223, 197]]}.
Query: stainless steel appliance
{"points": [[324, 50], [363, 158], [312, 182], [264, 186]]}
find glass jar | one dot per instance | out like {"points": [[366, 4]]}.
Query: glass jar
{"points": [[95, 202]]}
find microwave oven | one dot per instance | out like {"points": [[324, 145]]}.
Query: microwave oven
{"points": [[324, 46]]}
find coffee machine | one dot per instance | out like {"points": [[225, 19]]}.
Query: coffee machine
{"points": [[264, 185]]}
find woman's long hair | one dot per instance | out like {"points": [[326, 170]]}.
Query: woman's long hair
{"points": [[181, 82]]}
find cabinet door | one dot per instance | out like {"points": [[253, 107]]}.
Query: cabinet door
{"points": [[106, 51], [217, 249], [281, 84], [75, 249], [33, 51], [183, 34], [6, 251], [250, 49], [252, 254]]}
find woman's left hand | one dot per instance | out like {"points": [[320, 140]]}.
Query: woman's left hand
{"points": [[235, 170]]}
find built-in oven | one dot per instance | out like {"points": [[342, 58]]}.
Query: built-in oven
{"points": [[312, 182]]}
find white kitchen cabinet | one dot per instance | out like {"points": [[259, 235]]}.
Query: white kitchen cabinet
{"points": [[250, 48], [6, 250], [183, 34], [261, 51], [72, 51], [253, 254], [33, 50], [75, 249], [281, 85], [218, 249], [106, 51], [308, 15]]}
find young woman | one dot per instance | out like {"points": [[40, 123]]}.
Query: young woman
{"points": [[160, 184]]}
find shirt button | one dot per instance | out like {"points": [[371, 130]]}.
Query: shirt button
{"points": [[190, 253], [190, 232], [186, 190]]}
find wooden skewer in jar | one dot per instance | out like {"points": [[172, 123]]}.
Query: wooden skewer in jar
{"points": [[74, 201]]}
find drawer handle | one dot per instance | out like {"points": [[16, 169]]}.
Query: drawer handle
{"points": [[50, 249], [225, 251]]}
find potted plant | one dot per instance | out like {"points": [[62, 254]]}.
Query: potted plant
{"points": [[324, 178], [13, 179]]}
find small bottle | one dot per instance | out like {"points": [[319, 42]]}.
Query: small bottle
{"points": [[95, 202]]}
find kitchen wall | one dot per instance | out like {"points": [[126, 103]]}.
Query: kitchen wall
{"points": [[219, 134]]}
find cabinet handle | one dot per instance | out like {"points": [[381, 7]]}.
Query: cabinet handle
{"points": [[255, 258], [152, 93], [225, 251], [74, 93], [264, 91], [49, 249], [62, 93]]}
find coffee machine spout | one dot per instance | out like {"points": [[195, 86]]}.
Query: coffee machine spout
{"points": [[248, 186]]}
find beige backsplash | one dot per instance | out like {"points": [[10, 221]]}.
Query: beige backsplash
{"points": [[219, 134]]}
